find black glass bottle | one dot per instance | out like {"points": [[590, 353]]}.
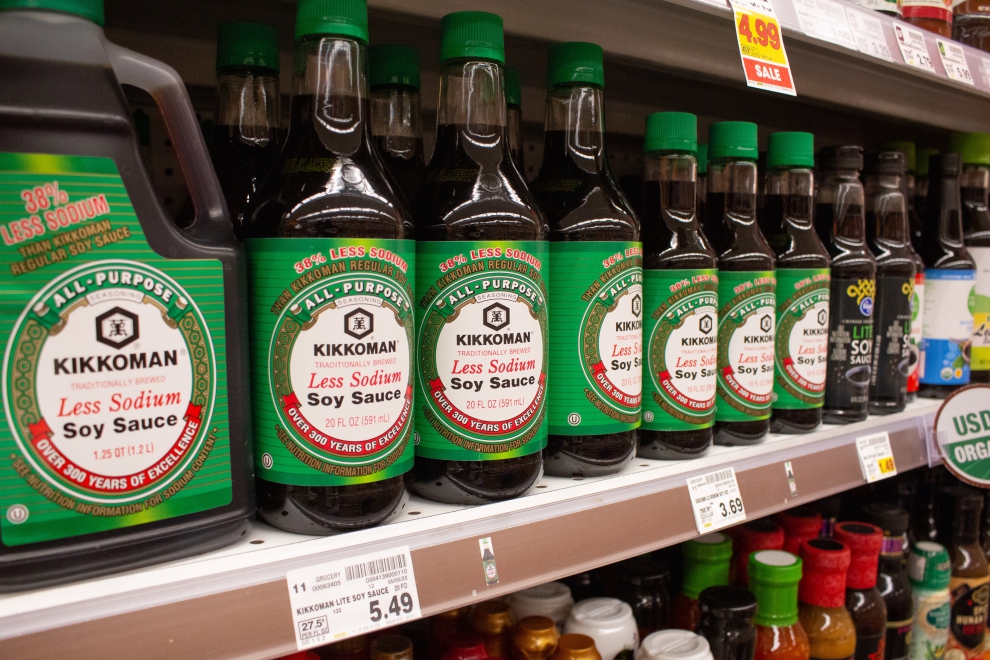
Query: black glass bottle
{"points": [[727, 615], [892, 580]]}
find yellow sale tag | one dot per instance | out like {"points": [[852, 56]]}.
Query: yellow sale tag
{"points": [[761, 46]]}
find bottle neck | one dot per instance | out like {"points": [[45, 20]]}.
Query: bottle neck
{"points": [[888, 208], [249, 99], [796, 187], [396, 119], [966, 528], [677, 173], [577, 112], [472, 98], [777, 604], [946, 203], [975, 176], [842, 190]]}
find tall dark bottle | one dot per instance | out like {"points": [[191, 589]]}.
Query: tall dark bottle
{"points": [[331, 258], [396, 119], [802, 283], [681, 304], [596, 277], [841, 225], [481, 264], [513, 116], [746, 286], [950, 273], [246, 124], [890, 240], [974, 185], [892, 580]]}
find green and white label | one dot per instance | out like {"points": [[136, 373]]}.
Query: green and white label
{"points": [[332, 347], [801, 347], [116, 411], [482, 340], [980, 307], [746, 329], [681, 356], [962, 433], [597, 320]]}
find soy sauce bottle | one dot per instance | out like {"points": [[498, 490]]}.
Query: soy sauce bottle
{"points": [[681, 288], [396, 118], [596, 277], [840, 223], [481, 264], [802, 283], [890, 240], [950, 273], [513, 116], [331, 268], [747, 303], [246, 124]]}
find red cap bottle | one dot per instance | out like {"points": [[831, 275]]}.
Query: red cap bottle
{"points": [[465, 647], [824, 580], [800, 525], [752, 537], [864, 542]]}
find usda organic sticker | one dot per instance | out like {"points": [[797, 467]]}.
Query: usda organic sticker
{"points": [[962, 431]]}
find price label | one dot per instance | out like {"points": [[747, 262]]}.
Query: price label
{"points": [[868, 33], [761, 46], [954, 60], [825, 20], [876, 456], [913, 49], [985, 69], [716, 500], [351, 597]]}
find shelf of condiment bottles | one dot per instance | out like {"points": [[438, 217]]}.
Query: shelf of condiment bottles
{"points": [[234, 603]]}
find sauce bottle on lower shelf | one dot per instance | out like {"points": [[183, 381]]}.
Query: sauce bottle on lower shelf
{"points": [[727, 622], [330, 211], [822, 596], [609, 622], [551, 599], [863, 599], [930, 572], [950, 273], [969, 587], [841, 224], [803, 277], [800, 524], [706, 564], [465, 647], [774, 576], [644, 583], [492, 620], [478, 226], [675, 645], [534, 638], [513, 117], [391, 647], [575, 647], [596, 277], [681, 305], [892, 579], [746, 286], [396, 117], [756, 535]]}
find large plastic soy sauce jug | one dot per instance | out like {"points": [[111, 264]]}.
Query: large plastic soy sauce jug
{"points": [[125, 436]]}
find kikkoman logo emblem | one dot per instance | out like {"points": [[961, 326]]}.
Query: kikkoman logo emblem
{"points": [[637, 305], [496, 316], [822, 317], [766, 323], [705, 324], [359, 323], [117, 328]]}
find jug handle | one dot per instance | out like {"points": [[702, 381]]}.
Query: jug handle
{"points": [[169, 93]]}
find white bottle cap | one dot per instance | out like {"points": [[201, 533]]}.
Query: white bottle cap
{"points": [[552, 600], [608, 621], [674, 645]]}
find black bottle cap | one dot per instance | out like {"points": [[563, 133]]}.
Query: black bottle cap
{"points": [[892, 519], [847, 157], [644, 568], [762, 525], [885, 162], [829, 506], [969, 499], [727, 602], [944, 165]]}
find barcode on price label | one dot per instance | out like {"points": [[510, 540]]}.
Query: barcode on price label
{"points": [[954, 60], [876, 457], [715, 500], [374, 567]]}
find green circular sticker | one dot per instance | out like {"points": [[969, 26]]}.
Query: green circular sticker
{"points": [[962, 434]]}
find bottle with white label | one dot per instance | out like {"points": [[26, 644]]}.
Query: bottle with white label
{"points": [[481, 292], [746, 287], [681, 304], [802, 283], [950, 274], [974, 187], [596, 277]]}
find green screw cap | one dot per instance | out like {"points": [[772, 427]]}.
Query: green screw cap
{"points": [[247, 44], [91, 9], [671, 131], [344, 18], [732, 139], [973, 147], [928, 566], [392, 64], [791, 150], [513, 87], [474, 34], [706, 563], [773, 578], [923, 155], [575, 62], [702, 159], [906, 148]]}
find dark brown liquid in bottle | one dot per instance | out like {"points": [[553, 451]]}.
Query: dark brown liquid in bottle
{"points": [[403, 158], [582, 203], [976, 233], [242, 160]]}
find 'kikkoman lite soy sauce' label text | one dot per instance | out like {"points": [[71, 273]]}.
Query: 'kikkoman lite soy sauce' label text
{"points": [[597, 319], [850, 342], [802, 337], [332, 324], [482, 339], [115, 407], [681, 334]]}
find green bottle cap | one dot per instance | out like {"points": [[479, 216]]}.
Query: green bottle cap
{"points": [[513, 87], [91, 9], [247, 44], [392, 64], [702, 159], [773, 578], [732, 139], [973, 147], [671, 131], [928, 566], [909, 151], [791, 150], [474, 34], [575, 62], [344, 18], [923, 155], [706, 563]]}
